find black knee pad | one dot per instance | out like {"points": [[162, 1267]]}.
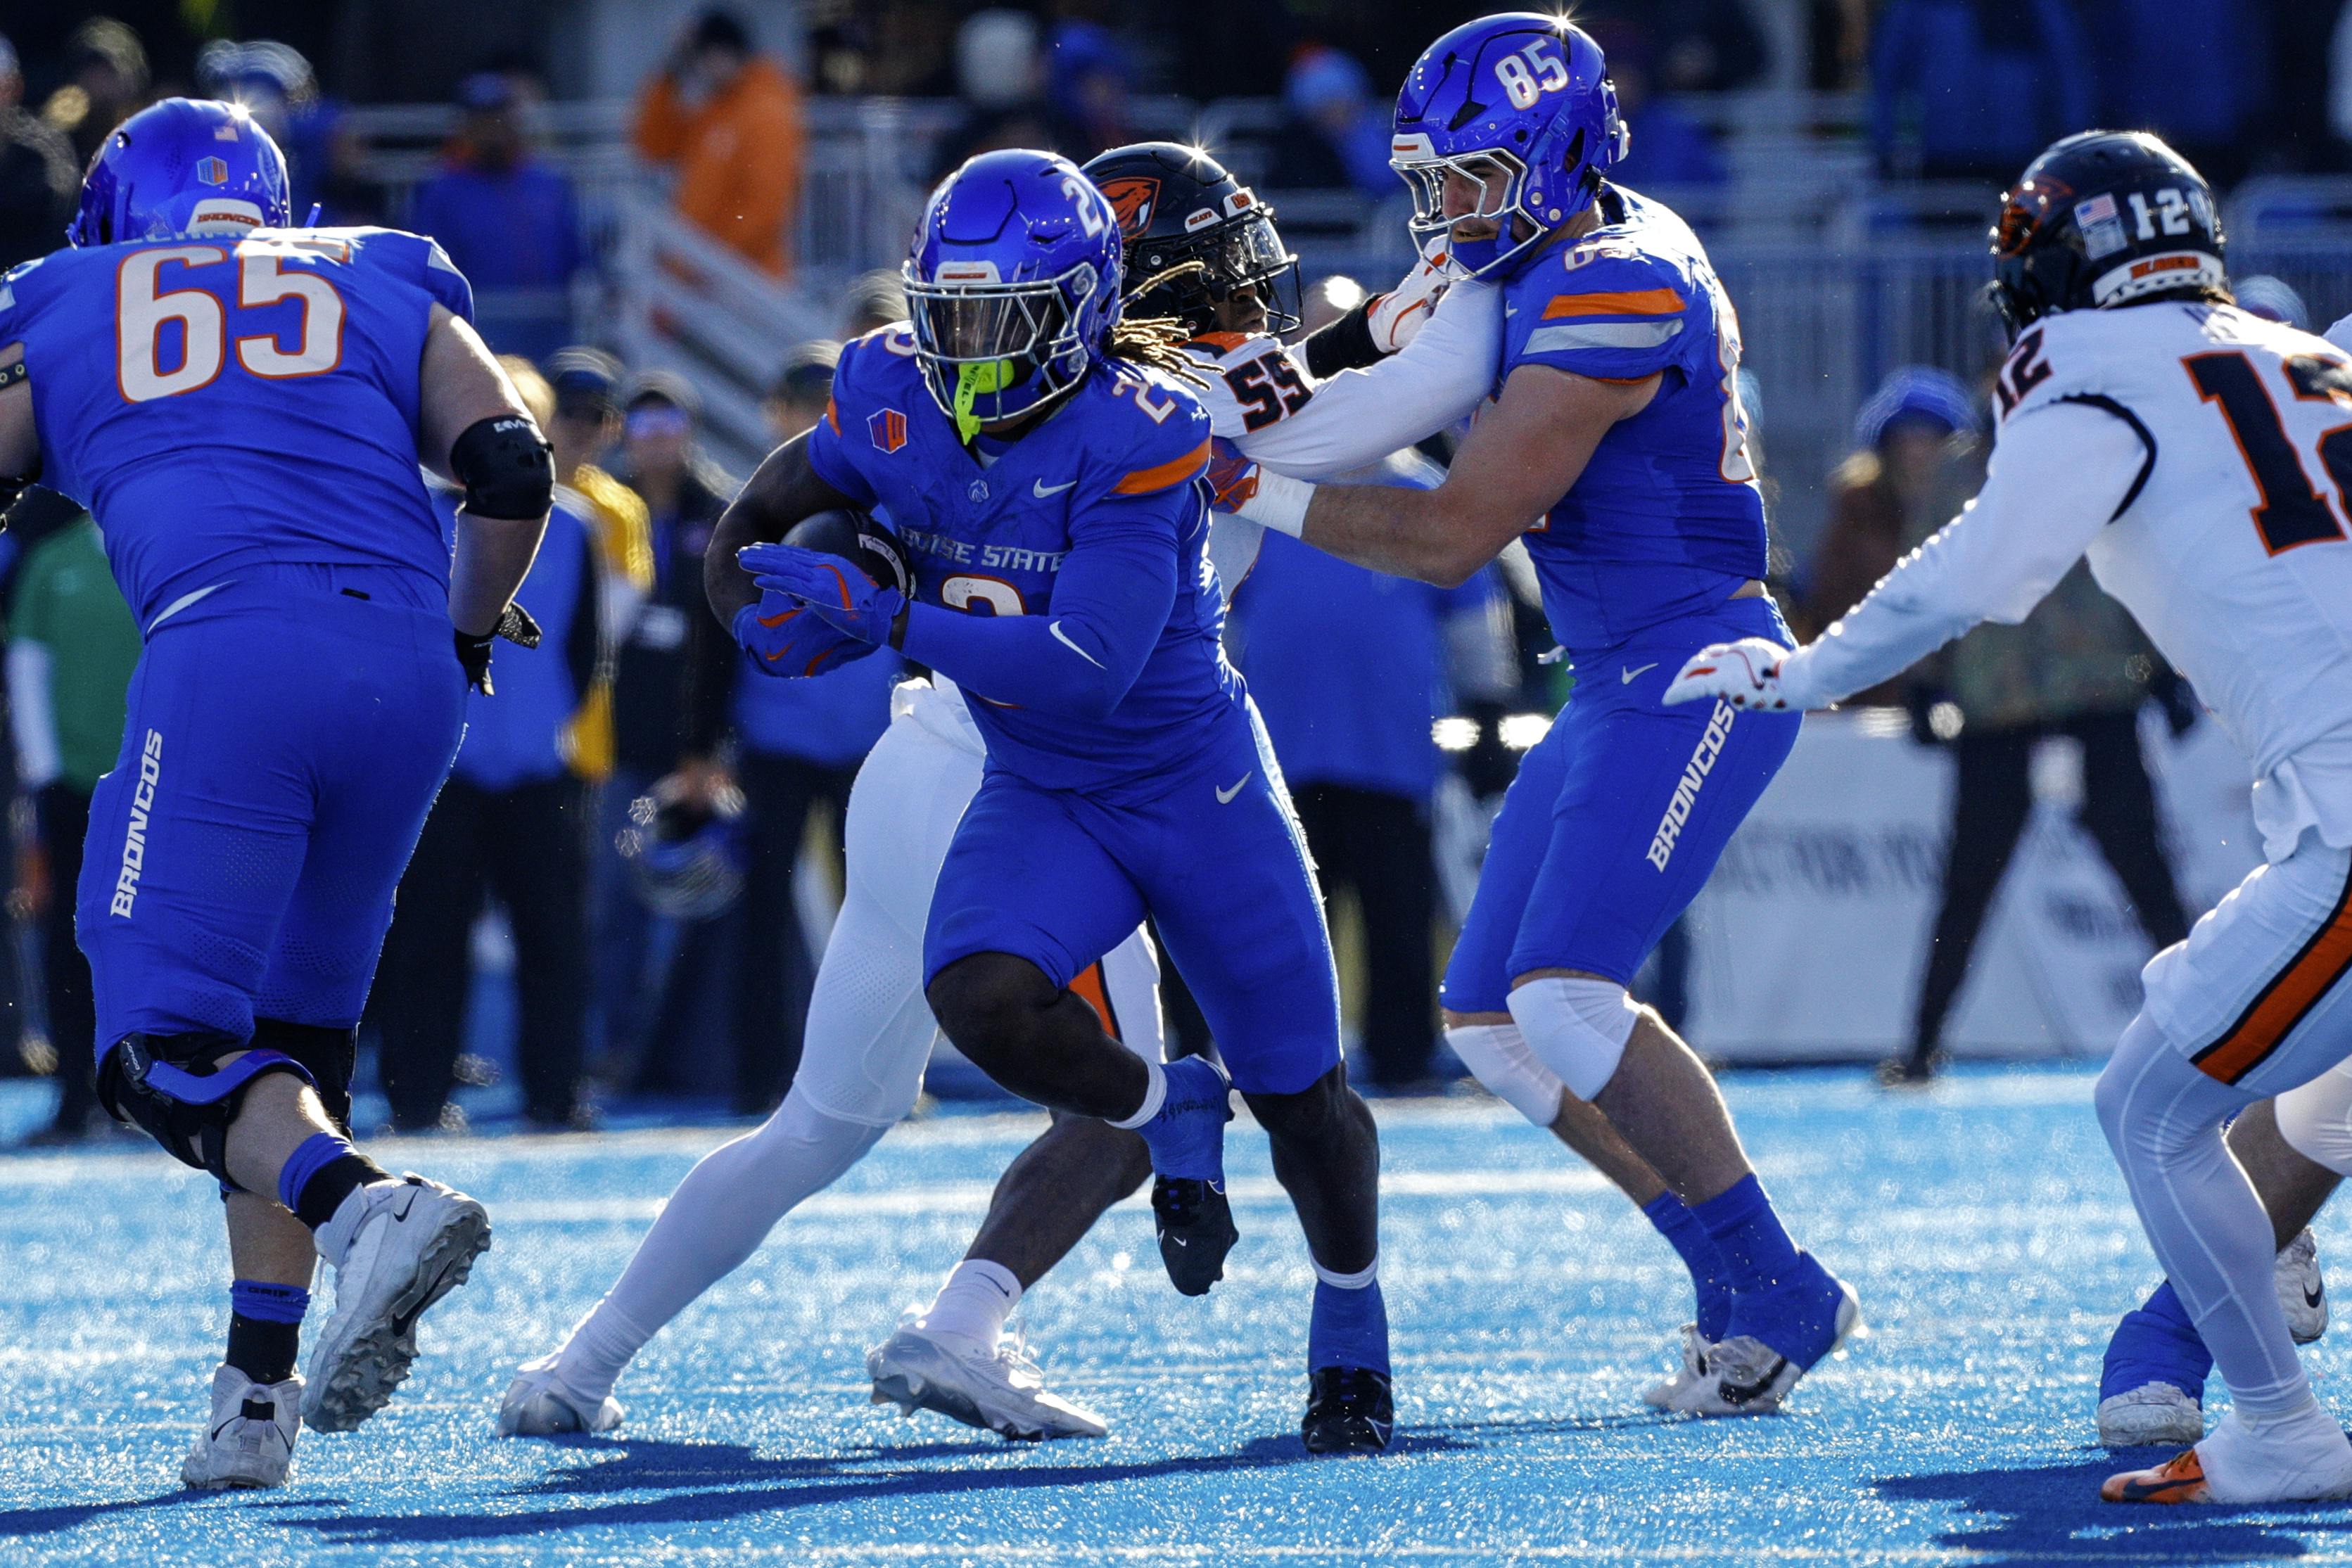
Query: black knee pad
{"points": [[1306, 1112], [173, 1087], [328, 1055]]}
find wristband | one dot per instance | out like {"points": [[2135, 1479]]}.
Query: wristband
{"points": [[1280, 503]]}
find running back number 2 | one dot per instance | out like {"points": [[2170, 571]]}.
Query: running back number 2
{"points": [[145, 307]]}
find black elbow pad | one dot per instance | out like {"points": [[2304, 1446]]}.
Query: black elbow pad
{"points": [[507, 468]]}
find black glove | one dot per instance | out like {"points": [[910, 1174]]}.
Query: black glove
{"points": [[515, 625]]}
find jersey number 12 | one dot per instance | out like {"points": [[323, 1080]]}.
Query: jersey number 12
{"points": [[2292, 512], [144, 308]]}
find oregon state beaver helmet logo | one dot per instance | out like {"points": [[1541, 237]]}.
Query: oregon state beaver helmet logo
{"points": [[1133, 199]]}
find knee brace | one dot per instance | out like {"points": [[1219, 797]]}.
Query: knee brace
{"points": [[1497, 1054], [328, 1055], [1578, 1027], [173, 1087], [2317, 1120]]}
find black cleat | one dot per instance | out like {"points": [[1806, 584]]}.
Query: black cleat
{"points": [[1348, 1411], [1196, 1230]]}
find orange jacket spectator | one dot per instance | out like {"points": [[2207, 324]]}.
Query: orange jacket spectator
{"points": [[738, 154]]}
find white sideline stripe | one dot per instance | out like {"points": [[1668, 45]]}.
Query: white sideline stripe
{"points": [[1389, 1550], [975, 1194]]}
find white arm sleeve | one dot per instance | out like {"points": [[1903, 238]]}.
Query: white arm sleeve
{"points": [[1358, 417], [2341, 333], [29, 713], [2056, 479]]}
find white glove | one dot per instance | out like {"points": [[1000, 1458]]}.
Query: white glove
{"points": [[1396, 316], [1746, 674]]}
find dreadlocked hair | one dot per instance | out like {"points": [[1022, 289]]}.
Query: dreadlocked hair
{"points": [[1158, 342]]}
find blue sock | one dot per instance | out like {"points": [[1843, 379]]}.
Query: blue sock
{"points": [[1348, 1328], [1748, 1237], [1187, 1136], [264, 1328], [2157, 1344], [319, 1174], [1680, 1226]]}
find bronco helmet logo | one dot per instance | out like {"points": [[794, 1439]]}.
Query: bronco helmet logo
{"points": [[1133, 200], [212, 171]]}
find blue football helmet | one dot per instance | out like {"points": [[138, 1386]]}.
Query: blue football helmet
{"points": [[1521, 107], [1012, 286], [181, 167]]}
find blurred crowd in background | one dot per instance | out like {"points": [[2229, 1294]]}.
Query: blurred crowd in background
{"points": [[1399, 712]]}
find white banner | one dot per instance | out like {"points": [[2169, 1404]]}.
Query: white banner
{"points": [[1810, 941]]}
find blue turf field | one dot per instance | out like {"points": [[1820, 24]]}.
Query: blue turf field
{"points": [[1982, 1222]]}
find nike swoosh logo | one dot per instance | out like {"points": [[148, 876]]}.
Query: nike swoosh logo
{"points": [[1225, 797], [2312, 1298], [1040, 489], [1743, 1392], [1055, 628], [1179, 1242], [1626, 678]]}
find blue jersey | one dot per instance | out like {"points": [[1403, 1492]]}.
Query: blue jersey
{"points": [[216, 403], [1666, 519], [988, 537]]}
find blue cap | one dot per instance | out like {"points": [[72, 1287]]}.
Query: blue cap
{"points": [[1915, 393]]}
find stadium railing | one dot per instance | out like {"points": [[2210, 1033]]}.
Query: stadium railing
{"points": [[1838, 278]]}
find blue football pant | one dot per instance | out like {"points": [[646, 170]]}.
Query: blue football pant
{"points": [[283, 744], [1216, 858], [1617, 815]]}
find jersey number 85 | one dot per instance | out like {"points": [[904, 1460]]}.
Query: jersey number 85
{"points": [[144, 309]]}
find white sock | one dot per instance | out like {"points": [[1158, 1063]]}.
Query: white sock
{"points": [[717, 1219], [1155, 1095], [974, 1302]]}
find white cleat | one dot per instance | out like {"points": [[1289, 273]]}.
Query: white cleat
{"points": [[539, 1405], [1742, 1375], [2302, 1290], [406, 1244], [999, 1389], [2301, 1458], [250, 1441], [2152, 1414], [1693, 1371]]}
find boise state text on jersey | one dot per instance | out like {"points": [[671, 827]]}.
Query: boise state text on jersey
{"points": [[988, 539], [1665, 520], [288, 359]]}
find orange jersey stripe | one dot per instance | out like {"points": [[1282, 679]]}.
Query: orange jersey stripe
{"points": [[1089, 988], [1642, 302], [2284, 1002], [1175, 471], [1224, 342]]}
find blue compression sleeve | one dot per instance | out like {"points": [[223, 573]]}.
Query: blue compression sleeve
{"points": [[1111, 601]]}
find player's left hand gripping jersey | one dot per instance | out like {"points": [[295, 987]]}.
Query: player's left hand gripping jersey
{"points": [[1666, 519], [218, 402], [1114, 467]]}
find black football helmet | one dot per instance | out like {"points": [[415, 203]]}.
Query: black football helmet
{"points": [[1177, 204], [2103, 218]]}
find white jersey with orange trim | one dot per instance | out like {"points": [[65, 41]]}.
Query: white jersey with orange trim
{"points": [[2201, 458], [1261, 396]]}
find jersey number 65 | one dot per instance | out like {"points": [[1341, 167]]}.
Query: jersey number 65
{"points": [[144, 309]]}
